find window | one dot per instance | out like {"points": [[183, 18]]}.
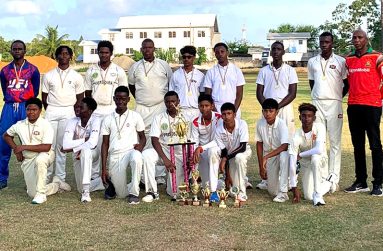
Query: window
{"points": [[201, 33], [143, 34], [172, 34], [300, 41], [157, 34], [129, 51], [129, 35], [111, 37], [186, 33], [93, 51]]}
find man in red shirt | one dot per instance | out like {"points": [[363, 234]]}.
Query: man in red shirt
{"points": [[364, 111]]}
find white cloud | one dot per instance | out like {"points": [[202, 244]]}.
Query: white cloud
{"points": [[20, 7]]}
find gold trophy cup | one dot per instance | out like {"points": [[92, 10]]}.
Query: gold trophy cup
{"points": [[180, 126], [206, 194], [195, 187], [183, 193], [222, 197]]}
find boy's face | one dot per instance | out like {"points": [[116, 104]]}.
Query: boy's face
{"points": [[270, 115], [228, 116], [33, 112], [121, 100], [307, 118], [205, 107], [171, 102]]}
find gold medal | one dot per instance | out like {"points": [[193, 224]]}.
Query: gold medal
{"points": [[323, 77], [190, 93], [146, 78], [223, 86], [119, 136]]}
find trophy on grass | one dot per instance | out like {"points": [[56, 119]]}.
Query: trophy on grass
{"points": [[195, 187], [235, 191], [180, 126], [183, 194], [206, 195], [222, 193]]}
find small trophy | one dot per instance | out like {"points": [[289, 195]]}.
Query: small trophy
{"points": [[206, 195], [222, 193], [183, 193], [180, 126], [235, 191], [195, 187]]}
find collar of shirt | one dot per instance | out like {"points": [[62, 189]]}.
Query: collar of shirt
{"points": [[37, 122], [116, 115], [313, 130], [63, 71], [223, 67], [276, 122]]}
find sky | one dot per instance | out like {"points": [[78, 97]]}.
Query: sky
{"points": [[23, 19]]}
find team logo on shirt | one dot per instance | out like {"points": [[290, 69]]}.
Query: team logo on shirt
{"points": [[340, 116], [95, 75], [127, 124], [332, 66], [113, 74], [164, 126], [368, 64], [36, 133]]}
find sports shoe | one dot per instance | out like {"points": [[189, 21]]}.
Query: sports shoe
{"points": [[160, 180], [214, 197], [318, 200], [249, 185], [39, 198], [63, 186], [173, 198], [334, 185], [281, 197], [357, 187], [110, 191], [262, 185], [377, 190], [85, 197], [242, 197], [149, 197], [3, 184], [133, 200]]}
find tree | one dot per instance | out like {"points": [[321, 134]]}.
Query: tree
{"points": [[201, 56], [238, 46], [5, 48], [312, 42], [50, 41]]}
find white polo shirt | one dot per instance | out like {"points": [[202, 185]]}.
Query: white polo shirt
{"points": [[103, 83], [272, 136], [328, 76], [302, 141], [276, 81], [231, 141], [62, 86], [203, 135], [188, 86], [122, 130], [224, 81], [151, 80], [75, 134], [40, 132]]}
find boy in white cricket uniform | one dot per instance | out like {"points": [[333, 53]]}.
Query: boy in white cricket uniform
{"points": [[272, 144], [232, 137], [122, 144], [81, 137], [187, 82], [309, 147], [327, 75], [62, 87], [207, 153], [161, 134], [35, 152]]}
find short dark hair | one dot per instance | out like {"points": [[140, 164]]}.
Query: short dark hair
{"points": [[228, 106], [147, 40], [105, 43], [307, 107], [34, 101], [189, 49], [122, 88], [270, 103], [221, 44], [90, 102], [205, 97], [60, 48], [278, 42], [171, 93], [21, 42], [327, 34]]}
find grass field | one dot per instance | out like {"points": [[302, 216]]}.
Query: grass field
{"points": [[347, 222]]}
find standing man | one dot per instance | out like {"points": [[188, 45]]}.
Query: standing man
{"points": [[62, 88], [364, 111], [187, 82], [327, 75], [224, 81], [20, 81]]}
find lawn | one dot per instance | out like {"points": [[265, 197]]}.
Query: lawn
{"points": [[347, 222]]}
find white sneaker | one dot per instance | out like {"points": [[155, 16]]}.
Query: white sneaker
{"points": [[281, 197], [39, 198], [62, 184], [160, 180], [334, 185], [85, 197], [150, 197], [318, 200], [249, 185], [262, 185]]}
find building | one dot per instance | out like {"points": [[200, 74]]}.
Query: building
{"points": [[169, 32]]}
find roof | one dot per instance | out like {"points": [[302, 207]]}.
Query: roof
{"points": [[168, 21], [89, 42], [290, 35]]}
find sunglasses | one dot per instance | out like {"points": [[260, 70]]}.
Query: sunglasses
{"points": [[186, 57]]}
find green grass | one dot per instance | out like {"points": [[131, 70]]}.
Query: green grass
{"points": [[347, 222]]}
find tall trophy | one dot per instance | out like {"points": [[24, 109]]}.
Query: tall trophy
{"points": [[195, 187], [183, 194], [180, 126], [206, 195], [235, 191], [222, 193]]}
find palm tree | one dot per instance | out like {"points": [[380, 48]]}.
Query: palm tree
{"points": [[50, 41]]}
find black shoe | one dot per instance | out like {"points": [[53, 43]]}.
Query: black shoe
{"points": [[133, 199], [377, 190], [357, 187], [110, 191], [3, 184]]}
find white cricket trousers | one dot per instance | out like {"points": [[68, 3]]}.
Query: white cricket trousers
{"points": [[148, 112], [330, 114], [286, 113], [96, 166], [58, 117], [83, 168], [278, 173], [151, 159], [238, 169], [118, 165], [35, 173], [208, 167]]}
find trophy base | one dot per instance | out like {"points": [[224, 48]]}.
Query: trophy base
{"points": [[238, 204], [182, 202], [222, 206], [196, 203], [206, 204], [189, 201]]}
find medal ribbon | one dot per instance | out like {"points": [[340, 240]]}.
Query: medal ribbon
{"points": [[18, 75]]}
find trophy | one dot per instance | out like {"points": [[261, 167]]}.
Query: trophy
{"points": [[206, 195], [195, 187], [183, 193], [180, 126], [235, 191], [222, 193]]}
